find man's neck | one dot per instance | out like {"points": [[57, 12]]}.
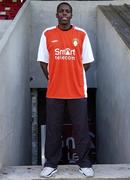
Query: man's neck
{"points": [[65, 27]]}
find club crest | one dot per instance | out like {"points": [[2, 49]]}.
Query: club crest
{"points": [[75, 42]]}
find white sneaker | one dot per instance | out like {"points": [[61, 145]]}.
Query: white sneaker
{"points": [[89, 172], [48, 172]]}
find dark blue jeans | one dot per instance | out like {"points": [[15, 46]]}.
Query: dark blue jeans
{"points": [[54, 124]]}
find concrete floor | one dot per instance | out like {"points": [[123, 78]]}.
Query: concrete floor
{"points": [[102, 172]]}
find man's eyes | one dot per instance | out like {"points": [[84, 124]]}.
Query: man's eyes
{"points": [[67, 11]]}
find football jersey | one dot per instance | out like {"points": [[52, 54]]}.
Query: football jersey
{"points": [[65, 52]]}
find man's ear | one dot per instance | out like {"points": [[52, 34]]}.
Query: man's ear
{"points": [[56, 15]]}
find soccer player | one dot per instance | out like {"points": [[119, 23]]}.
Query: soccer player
{"points": [[65, 54]]}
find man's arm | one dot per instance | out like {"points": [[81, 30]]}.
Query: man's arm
{"points": [[43, 55], [87, 54], [87, 66], [44, 69]]}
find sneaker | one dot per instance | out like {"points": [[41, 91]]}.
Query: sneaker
{"points": [[89, 172], [48, 172]]}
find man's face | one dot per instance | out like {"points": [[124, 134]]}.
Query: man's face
{"points": [[64, 14]]}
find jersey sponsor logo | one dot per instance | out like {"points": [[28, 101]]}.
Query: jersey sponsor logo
{"points": [[75, 42], [64, 54]]}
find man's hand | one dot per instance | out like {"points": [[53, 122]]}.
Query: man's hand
{"points": [[87, 66]]}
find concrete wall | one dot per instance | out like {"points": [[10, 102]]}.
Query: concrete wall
{"points": [[113, 94], [15, 111], [4, 24]]}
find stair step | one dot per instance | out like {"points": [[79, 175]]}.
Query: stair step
{"points": [[102, 172]]}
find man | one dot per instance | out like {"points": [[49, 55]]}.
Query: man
{"points": [[65, 54]]}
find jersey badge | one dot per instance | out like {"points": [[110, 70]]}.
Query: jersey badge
{"points": [[75, 42]]}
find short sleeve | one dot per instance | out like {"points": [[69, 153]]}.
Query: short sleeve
{"points": [[87, 54], [43, 55]]}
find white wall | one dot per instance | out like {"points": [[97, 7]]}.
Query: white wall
{"points": [[15, 112], [113, 94]]}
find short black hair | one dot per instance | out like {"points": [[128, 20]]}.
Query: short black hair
{"points": [[65, 4]]}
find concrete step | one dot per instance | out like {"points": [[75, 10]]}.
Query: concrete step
{"points": [[67, 172]]}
